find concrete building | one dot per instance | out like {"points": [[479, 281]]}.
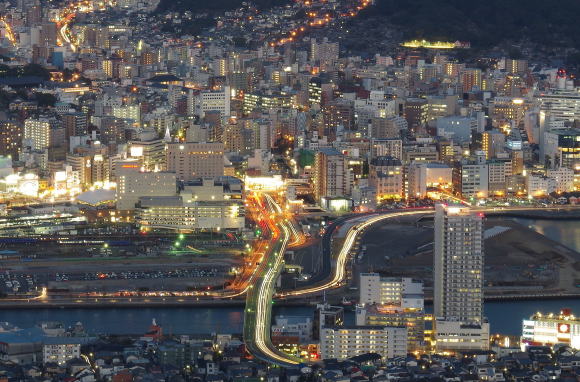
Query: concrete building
{"points": [[389, 315], [498, 172], [10, 138], [416, 112], [131, 112], [386, 176], [37, 133], [422, 176], [332, 177], [471, 179], [387, 147], [461, 336], [149, 149], [300, 326], [214, 100], [551, 329], [202, 204], [398, 291], [458, 279], [75, 124], [471, 79], [561, 104], [388, 127], [457, 128], [493, 143], [561, 148], [563, 177], [191, 160], [133, 184], [538, 185], [345, 342], [458, 269], [60, 350]]}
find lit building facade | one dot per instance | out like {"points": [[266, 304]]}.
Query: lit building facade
{"points": [[203, 204], [192, 160], [331, 174], [404, 292], [386, 176], [458, 270], [550, 329], [345, 342]]}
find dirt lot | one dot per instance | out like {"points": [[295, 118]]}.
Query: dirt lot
{"points": [[518, 257]]}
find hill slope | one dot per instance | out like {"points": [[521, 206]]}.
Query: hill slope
{"points": [[484, 22]]}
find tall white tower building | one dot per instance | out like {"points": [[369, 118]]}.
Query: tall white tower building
{"points": [[458, 270]]}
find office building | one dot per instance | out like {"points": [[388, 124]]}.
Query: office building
{"points": [[191, 160], [423, 176], [214, 100], [416, 112], [458, 336], [471, 179], [149, 150], [457, 128], [202, 204], [498, 171], [133, 184], [386, 176], [561, 148], [560, 104], [387, 147]]}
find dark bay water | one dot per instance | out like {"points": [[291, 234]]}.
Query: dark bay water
{"points": [[505, 317], [566, 232]]}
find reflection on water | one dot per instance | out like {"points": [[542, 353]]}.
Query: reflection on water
{"points": [[505, 317], [566, 232]]}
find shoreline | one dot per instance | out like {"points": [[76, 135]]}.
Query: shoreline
{"points": [[24, 305]]}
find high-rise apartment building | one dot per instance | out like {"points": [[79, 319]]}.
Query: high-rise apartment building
{"points": [[470, 79], [37, 132], [389, 127], [493, 143], [323, 53], [75, 124], [331, 174], [10, 138], [458, 280], [458, 258]]}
